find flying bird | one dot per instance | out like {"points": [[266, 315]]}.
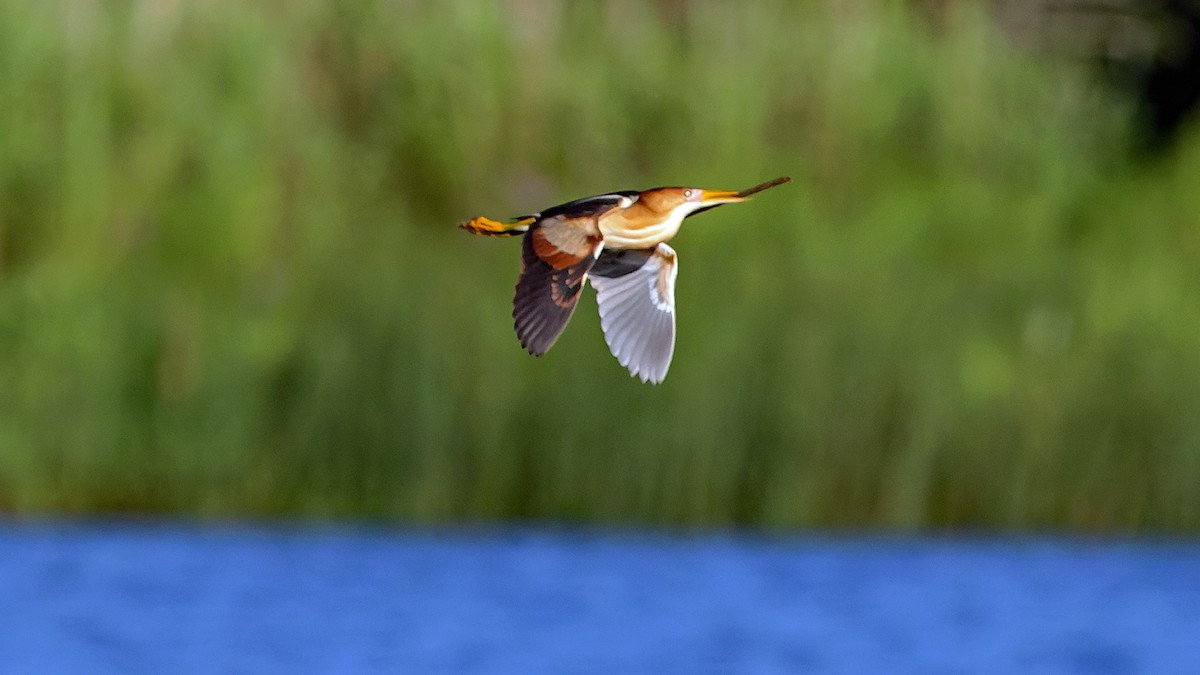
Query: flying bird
{"points": [[618, 241]]}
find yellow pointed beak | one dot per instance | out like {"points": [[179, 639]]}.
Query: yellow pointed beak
{"points": [[715, 197]]}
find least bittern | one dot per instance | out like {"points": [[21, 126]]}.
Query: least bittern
{"points": [[617, 240]]}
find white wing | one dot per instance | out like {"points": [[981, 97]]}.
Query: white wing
{"points": [[637, 313]]}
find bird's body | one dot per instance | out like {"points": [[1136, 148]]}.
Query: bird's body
{"points": [[618, 241]]}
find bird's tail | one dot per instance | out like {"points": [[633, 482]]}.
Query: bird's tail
{"points": [[491, 228]]}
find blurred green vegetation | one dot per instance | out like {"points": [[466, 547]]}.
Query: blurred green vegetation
{"points": [[231, 285]]}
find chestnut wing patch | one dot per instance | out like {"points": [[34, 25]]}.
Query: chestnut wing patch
{"points": [[555, 258]]}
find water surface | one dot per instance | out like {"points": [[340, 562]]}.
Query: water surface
{"points": [[135, 598]]}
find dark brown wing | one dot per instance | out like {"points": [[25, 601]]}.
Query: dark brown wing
{"points": [[556, 255], [588, 206], [614, 263]]}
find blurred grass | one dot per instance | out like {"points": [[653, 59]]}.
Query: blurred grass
{"points": [[230, 285]]}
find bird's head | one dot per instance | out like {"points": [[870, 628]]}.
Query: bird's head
{"points": [[686, 201]]}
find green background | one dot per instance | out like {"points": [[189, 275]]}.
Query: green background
{"points": [[231, 285]]}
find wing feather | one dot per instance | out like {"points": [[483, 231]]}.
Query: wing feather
{"points": [[590, 206], [556, 255], [637, 310]]}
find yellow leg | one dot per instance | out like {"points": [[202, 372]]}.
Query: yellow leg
{"points": [[491, 228]]}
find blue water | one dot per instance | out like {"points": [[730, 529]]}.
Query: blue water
{"points": [[88, 598]]}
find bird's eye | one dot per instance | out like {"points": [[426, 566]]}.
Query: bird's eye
{"points": [[687, 194]]}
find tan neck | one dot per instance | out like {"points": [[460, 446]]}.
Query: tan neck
{"points": [[638, 226]]}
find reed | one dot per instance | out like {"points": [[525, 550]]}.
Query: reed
{"points": [[231, 284]]}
